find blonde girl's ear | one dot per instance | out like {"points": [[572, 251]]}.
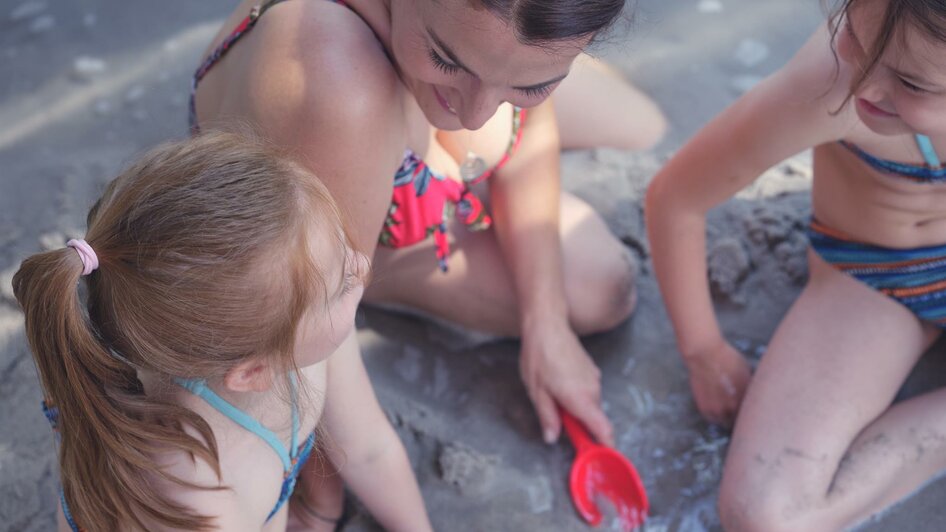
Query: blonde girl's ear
{"points": [[252, 375]]}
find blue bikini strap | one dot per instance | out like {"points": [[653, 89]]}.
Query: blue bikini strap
{"points": [[929, 153], [199, 388]]}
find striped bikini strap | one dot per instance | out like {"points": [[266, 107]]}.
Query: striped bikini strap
{"points": [[929, 152]]}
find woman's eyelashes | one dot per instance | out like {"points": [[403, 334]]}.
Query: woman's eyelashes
{"points": [[441, 63], [537, 92], [446, 67]]}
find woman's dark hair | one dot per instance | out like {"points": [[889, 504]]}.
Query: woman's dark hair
{"points": [[538, 21]]}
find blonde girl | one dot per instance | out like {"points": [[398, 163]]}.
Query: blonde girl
{"points": [[215, 334]]}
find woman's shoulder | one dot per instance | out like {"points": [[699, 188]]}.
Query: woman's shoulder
{"points": [[324, 57]]}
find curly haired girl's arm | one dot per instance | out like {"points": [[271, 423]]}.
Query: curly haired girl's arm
{"points": [[788, 112]]}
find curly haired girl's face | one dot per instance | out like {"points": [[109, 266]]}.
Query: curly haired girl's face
{"points": [[906, 90]]}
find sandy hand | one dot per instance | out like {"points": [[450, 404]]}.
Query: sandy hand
{"points": [[719, 378]]}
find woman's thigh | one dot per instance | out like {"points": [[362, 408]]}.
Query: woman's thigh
{"points": [[596, 107], [478, 291], [833, 367]]}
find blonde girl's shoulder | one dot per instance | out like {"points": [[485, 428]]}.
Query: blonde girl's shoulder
{"points": [[224, 505]]}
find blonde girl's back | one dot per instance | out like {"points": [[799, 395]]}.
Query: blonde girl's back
{"points": [[204, 264]]}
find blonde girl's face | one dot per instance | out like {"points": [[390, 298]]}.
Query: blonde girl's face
{"points": [[328, 322], [905, 93]]}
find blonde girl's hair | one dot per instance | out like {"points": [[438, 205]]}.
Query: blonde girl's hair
{"points": [[205, 261]]}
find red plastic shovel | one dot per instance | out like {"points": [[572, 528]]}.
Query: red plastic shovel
{"points": [[600, 471]]}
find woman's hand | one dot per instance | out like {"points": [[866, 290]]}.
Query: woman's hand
{"points": [[556, 369], [719, 377]]}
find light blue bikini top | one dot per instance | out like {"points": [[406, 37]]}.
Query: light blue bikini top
{"points": [[292, 459], [931, 172]]}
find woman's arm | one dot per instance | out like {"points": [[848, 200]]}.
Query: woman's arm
{"points": [[783, 115], [365, 449], [342, 115], [526, 200]]}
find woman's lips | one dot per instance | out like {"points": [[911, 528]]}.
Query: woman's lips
{"points": [[443, 101], [873, 109]]}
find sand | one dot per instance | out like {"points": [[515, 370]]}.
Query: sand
{"points": [[84, 86]]}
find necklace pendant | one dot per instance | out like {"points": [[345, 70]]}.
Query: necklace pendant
{"points": [[472, 167]]}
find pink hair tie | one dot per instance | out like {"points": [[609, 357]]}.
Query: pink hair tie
{"points": [[89, 261]]}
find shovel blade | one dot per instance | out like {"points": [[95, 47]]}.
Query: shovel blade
{"points": [[603, 473]]}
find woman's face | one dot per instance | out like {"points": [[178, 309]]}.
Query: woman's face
{"points": [[462, 62], [906, 90]]}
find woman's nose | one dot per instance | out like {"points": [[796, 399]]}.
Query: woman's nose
{"points": [[479, 105]]}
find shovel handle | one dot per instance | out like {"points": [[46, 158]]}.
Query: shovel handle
{"points": [[581, 440]]}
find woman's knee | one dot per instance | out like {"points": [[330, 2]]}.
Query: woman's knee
{"points": [[651, 131], [603, 296], [644, 124]]}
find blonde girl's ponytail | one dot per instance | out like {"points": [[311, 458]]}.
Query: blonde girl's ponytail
{"points": [[110, 430]]}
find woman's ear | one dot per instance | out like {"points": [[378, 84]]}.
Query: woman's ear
{"points": [[254, 375]]}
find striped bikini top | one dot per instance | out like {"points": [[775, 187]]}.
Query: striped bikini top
{"points": [[932, 171]]}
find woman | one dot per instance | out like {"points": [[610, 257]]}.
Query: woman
{"points": [[420, 89]]}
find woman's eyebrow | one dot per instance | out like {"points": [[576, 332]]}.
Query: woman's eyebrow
{"points": [[449, 52]]}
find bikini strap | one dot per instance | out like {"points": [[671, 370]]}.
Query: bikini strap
{"points": [[199, 388], [242, 29], [518, 121], [929, 152]]}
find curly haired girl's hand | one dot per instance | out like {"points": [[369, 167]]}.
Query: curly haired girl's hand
{"points": [[718, 379]]}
